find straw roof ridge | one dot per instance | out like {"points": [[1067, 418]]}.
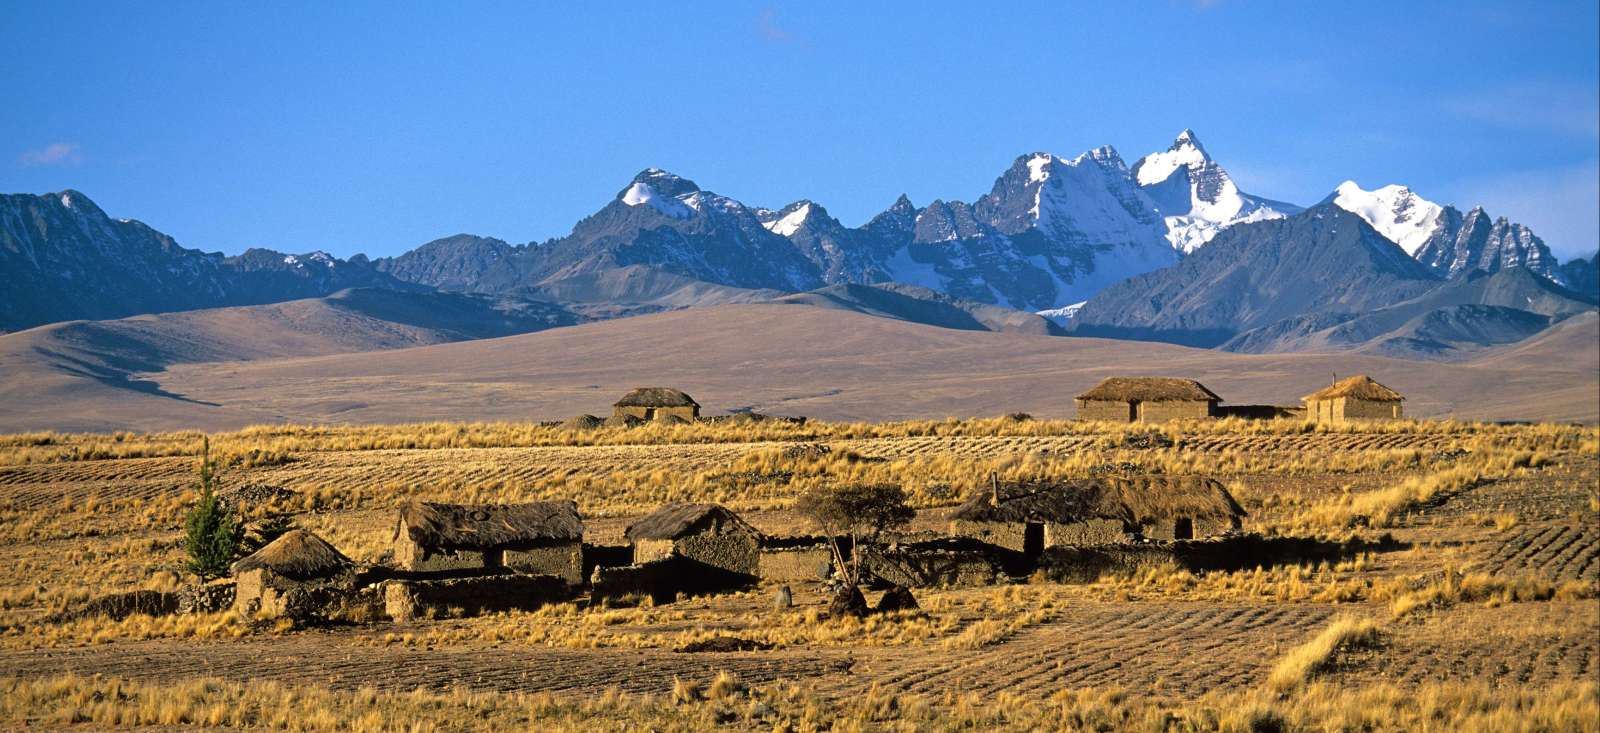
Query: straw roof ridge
{"points": [[1148, 389], [298, 554], [673, 521], [1130, 500], [656, 397], [487, 526], [1360, 387]]}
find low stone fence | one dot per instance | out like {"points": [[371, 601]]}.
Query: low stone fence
{"points": [[404, 600], [953, 562]]}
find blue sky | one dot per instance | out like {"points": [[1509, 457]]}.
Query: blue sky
{"points": [[374, 127]]}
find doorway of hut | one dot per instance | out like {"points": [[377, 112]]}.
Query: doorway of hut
{"points": [[649, 413], [1033, 539], [1183, 529]]}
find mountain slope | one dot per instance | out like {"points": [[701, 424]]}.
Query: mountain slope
{"points": [[63, 258], [103, 361], [786, 359], [921, 305], [1322, 261], [1467, 313]]}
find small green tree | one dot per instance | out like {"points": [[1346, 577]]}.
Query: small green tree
{"points": [[863, 512], [213, 532]]}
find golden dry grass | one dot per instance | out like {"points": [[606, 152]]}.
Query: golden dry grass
{"points": [[724, 703]]}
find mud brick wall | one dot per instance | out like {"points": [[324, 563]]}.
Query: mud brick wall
{"points": [[563, 560], [795, 564]]}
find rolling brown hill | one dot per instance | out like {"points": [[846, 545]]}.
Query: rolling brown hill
{"points": [[783, 359]]}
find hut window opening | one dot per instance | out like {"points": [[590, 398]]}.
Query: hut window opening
{"points": [[1183, 529]]}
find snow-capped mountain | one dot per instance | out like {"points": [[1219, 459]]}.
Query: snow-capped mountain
{"points": [[1440, 237], [1395, 211], [1196, 197]]}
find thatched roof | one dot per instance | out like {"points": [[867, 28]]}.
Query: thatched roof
{"points": [[1149, 389], [1130, 500], [488, 526], [298, 554], [673, 521], [656, 397], [1360, 387]]}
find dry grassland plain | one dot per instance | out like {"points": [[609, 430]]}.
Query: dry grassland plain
{"points": [[1481, 615]]}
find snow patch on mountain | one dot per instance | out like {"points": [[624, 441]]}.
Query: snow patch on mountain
{"points": [[1062, 316], [1395, 211], [789, 224], [643, 194]]}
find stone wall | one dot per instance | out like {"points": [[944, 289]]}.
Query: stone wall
{"points": [[943, 564], [1104, 410], [1085, 534], [651, 550], [563, 560], [1173, 410], [659, 580], [657, 413], [1010, 535], [795, 564], [1356, 409], [408, 555], [735, 552], [405, 600]]}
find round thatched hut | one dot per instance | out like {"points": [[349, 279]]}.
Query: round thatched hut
{"points": [[656, 403], [289, 575]]}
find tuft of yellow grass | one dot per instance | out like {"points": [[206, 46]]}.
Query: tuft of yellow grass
{"points": [[1301, 663]]}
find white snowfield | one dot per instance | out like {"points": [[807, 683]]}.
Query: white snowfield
{"points": [[1395, 211]]}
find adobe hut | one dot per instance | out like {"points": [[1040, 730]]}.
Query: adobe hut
{"points": [[1353, 398], [708, 534], [1030, 517], [541, 538], [292, 576], [1147, 399], [656, 403], [1033, 517]]}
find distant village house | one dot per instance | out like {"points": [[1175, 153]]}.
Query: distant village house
{"points": [[1147, 399], [656, 403], [1353, 398]]}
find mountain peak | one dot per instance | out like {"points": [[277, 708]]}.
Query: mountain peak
{"points": [[665, 182], [1187, 139], [903, 205]]}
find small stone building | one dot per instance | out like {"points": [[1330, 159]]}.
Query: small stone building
{"points": [[539, 538], [1031, 517], [708, 534], [656, 403], [292, 576], [1147, 399], [1353, 398]]}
